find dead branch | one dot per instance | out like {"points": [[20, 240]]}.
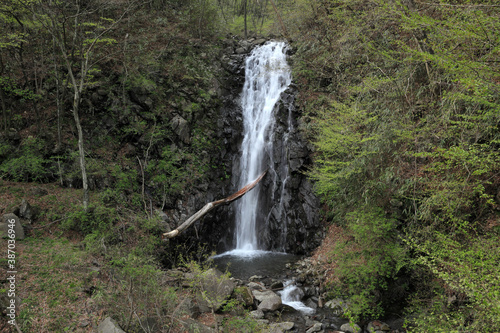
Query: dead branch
{"points": [[211, 205]]}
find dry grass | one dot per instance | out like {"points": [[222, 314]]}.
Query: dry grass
{"points": [[325, 256]]}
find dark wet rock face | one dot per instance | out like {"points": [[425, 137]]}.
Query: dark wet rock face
{"points": [[288, 215], [288, 208], [292, 221]]}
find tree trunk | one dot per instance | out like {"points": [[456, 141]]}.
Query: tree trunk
{"points": [[245, 15], [211, 205], [2, 100], [58, 93], [4, 110], [285, 33], [81, 150]]}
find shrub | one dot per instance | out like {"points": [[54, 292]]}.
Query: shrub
{"points": [[96, 219], [367, 261], [29, 163], [140, 295], [469, 298]]}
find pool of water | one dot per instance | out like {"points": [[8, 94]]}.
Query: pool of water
{"points": [[244, 263]]}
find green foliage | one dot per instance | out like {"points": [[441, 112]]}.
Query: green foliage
{"points": [[463, 41], [243, 325], [402, 102], [469, 269], [12, 89], [341, 147], [201, 17], [140, 294], [208, 283], [368, 259], [27, 163], [96, 219], [169, 172], [6, 150], [457, 179], [260, 16], [60, 275]]}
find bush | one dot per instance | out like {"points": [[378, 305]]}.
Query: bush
{"points": [[469, 299], [140, 295], [202, 17], [96, 219], [401, 100], [367, 261], [29, 163]]}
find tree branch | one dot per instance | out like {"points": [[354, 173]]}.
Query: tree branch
{"points": [[211, 205]]}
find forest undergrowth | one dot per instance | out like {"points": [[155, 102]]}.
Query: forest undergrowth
{"points": [[402, 101]]}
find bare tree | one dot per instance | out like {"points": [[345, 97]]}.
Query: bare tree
{"points": [[76, 33]]}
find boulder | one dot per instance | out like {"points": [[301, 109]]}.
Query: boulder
{"points": [[377, 326], [109, 325], [350, 328], [7, 221], [258, 41], [281, 327], [339, 306], [26, 211], [244, 296], [315, 328], [193, 326], [254, 278], [188, 308], [255, 286], [217, 288], [257, 314], [180, 126], [269, 301], [276, 284]]}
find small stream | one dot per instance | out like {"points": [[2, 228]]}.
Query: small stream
{"points": [[244, 265], [269, 268], [292, 295]]}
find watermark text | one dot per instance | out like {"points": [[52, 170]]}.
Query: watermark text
{"points": [[11, 272]]}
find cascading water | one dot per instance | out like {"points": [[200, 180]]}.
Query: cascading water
{"points": [[267, 75], [291, 295]]}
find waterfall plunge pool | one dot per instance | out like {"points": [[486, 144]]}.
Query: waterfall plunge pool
{"points": [[242, 264]]}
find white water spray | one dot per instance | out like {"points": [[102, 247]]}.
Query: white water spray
{"points": [[291, 295], [267, 75]]}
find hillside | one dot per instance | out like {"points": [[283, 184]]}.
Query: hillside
{"points": [[402, 102]]}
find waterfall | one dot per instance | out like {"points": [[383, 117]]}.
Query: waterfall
{"points": [[267, 75]]}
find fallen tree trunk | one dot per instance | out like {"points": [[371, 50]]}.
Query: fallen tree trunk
{"points": [[211, 205]]}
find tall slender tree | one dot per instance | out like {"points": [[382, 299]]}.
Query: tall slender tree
{"points": [[77, 35]]}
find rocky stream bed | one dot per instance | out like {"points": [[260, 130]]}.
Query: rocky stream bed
{"points": [[262, 296]]}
